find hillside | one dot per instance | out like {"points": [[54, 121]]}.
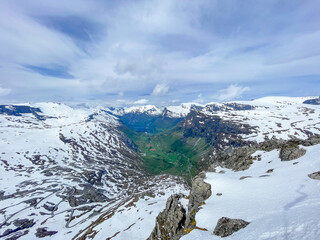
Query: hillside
{"points": [[101, 174]]}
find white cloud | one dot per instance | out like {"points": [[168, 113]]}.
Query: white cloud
{"points": [[232, 92], [141, 101], [160, 89], [4, 91], [134, 46], [137, 67]]}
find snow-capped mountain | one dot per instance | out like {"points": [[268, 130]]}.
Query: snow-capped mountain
{"points": [[147, 109], [62, 168], [81, 173], [178, 111]]}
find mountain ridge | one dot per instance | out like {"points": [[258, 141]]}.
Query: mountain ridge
{"points": [[81, 176]]}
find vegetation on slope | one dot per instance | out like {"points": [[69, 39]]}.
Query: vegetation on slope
{"points": [[169, 151]]}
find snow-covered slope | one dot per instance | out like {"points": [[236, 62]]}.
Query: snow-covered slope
{"points": [[278, 199], [71, 142], [178, 111], [148, 109], [277, 117], [270, 117], [72, 173], [62, 170]]}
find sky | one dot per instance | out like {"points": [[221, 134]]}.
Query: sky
{"points": [[158, 51]]}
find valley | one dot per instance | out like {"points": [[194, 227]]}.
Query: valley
{"points": [[100, 173]]}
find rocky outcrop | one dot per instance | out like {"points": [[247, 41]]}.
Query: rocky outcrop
{"points": [[171, 221], [239, 159], [315, 175], [288, 153], [200, 191], [43, 232], [315, 101], [227, 226], [174, 221], [88, 194]]}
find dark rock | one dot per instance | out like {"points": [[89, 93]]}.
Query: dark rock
{"points": [[14, 235], [2, 195], [237, 159], [16, 110], [89, 194], [244, 177], [288, 153], [315, 101], [227, 226], [315, 175], [264, 175], [23, 223], [171, 221], [47, 173], [49, 207], [200, 191], [214, 130], [311, 141], [20, 224], [43, 232]]}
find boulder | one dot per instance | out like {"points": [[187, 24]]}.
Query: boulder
{"points": [[200, 191], [315, 175], [227, 226], [288, 153], [170, 222], [314, 101]]}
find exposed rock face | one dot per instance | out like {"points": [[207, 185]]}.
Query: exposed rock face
{"points": [[89, 194], [315, 101], [288, 153], [227, 226], [43, 232], [311, 141], [216, 131], [200, 192], [174, 219], [171, 221], [315, 175], [237, 159], [23, 223]]}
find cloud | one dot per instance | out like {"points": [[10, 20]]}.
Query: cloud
{"points": [[232, 92], [160, 89], [4, 91], [137, 67], [141, 101], [102, 48]]}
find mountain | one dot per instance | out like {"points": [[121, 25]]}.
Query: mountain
{"points": [[104, 173], [63, 168]]}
